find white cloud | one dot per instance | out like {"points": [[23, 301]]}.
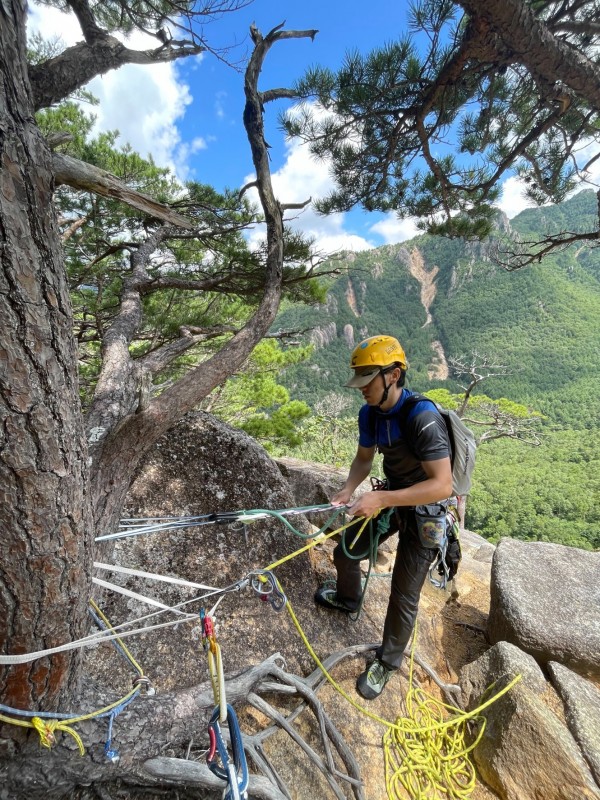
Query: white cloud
{"points": [[393, 230], [302, 177], [513, 199], [220, 99], [51, 23], [585, 154], [142, 102]]}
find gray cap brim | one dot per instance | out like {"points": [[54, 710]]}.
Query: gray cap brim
{"points": [[358, 381]]}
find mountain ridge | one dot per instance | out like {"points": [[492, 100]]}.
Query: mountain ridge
{"points": [[447, 296]]}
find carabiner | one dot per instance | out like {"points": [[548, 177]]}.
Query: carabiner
{"points": [[236, 774], [266, 586]]}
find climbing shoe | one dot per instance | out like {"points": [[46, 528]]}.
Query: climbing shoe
{"points": [[372, 681], [326, 596]]}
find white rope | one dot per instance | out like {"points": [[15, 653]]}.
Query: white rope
{"points": [[104, 636], [89, 641], [141, 597], [152, 576]]}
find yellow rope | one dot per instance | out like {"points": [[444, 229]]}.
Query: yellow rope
{"points": [[315, 542], [46, 727], [121, 643], [217, 678], [426, 758]]}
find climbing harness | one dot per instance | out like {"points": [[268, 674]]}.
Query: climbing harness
{"points": [[449, 554]]}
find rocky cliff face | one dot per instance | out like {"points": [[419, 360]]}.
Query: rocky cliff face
{"points": [[541, 740], [323, 335]]}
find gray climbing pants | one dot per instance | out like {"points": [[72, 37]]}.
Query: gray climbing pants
{"points": [[410, 570]]}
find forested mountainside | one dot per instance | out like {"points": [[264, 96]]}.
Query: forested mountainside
{"points": [[541, 321], [446, 298]]}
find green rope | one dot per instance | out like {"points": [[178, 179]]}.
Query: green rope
{"points": [[278, 515], [383, 526]]}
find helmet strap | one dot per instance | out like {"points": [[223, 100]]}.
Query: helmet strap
{"points": [[386, 389]]}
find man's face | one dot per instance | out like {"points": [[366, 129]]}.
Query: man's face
{"points": [[373, 391]]}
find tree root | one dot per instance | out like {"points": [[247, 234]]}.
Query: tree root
{"points": [[178, 771], [452, 691], [157, 729], [277, 681]]}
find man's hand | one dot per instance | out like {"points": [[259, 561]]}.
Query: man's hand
{"points": [[342, 498], [368, 504]]}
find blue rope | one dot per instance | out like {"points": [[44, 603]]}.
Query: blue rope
{"points": [[53, 715], [115, 642]]}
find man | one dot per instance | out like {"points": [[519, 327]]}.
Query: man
{"points": [[416, 463]]}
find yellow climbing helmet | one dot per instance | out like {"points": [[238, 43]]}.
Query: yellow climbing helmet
{"points": [[375, 352]]}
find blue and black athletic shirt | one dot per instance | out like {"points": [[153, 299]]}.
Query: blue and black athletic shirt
{"points": [[424, 438]]}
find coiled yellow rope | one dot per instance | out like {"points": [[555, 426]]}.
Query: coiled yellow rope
{"points": [[426, 757]]}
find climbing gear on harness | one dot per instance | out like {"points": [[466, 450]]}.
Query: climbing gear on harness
{"points": [[326, 596], [372, 681], [449, 552], [431, 524], [236, 773], [453, 549]]}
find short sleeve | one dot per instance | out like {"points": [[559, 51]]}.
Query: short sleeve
{"points": [[428, 435], [366, 431]]}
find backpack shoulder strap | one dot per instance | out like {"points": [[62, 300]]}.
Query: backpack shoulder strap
{"points": [[409, 403], [403, 413]]}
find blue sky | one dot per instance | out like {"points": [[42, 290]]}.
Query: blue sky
{"points": [[218, 90], [188, 114]]}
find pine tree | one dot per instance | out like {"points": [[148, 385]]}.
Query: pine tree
{"points": [[428, 125]]}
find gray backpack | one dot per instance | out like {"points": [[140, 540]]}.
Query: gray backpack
{"points": [[462, 442]]}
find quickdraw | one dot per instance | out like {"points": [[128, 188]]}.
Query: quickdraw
{"points": [[266, 586], [215, 665], [234, 772]]}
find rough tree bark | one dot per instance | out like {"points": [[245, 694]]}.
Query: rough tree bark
{"points": [[45, 510], [548, 58], [58, 490]]}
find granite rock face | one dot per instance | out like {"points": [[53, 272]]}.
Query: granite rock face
{"points": [[582, 709], [526, 751], [545, 599]]}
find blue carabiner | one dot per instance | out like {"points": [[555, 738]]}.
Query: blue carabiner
{"points": [[236, 774]]}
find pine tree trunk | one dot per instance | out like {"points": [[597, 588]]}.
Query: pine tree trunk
{"points": [[44, 508]]}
